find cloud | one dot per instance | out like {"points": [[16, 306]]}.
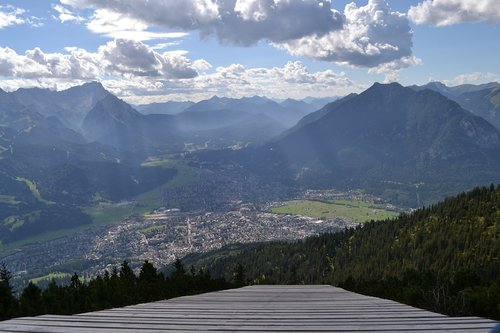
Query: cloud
{"points": [[292, 80], [65, 15], [240, 22], [372, 35], [120, 26], [123, 58], [127, 57], [449, 12], [472, 78], [365, 36], [201, 65], [10, 15], [391, 69]]}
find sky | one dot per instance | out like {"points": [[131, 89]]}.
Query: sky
{"points": [[160, 50]]}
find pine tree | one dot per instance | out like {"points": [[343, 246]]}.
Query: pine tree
{"points": [[8, 302]]}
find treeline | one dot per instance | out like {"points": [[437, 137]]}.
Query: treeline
{"points": [[444, 258], [116, 289]]}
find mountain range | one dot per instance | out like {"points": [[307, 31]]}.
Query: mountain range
{"points": [[60, 151], [482, 100], [390, 140]]}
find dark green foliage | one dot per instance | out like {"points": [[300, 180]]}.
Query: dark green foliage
{"points": [[31, 301], [444, 258], [52, 217], [66, 178], [239, 275], [116, 289], [8, 303]]}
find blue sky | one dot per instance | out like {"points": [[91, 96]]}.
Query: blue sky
{"points": [[193, 49]]}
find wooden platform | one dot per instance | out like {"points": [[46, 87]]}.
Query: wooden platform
{"points": [[257, 309]]}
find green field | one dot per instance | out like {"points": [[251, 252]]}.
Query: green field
{"points": [[109, 213], [9, 200], [357, 211], [50, 277], [34, 190]]}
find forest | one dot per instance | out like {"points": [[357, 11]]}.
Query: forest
{"points": [[444, 257], [119, 288]]}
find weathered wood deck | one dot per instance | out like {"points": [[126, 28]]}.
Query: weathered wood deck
{"points": [[257, 309]]}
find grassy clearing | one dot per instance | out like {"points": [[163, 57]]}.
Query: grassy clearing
{"points": [[110, 213], [34, 190], [152, 229], [185, 175], [9, 200], [49, 277], [357, 211]]}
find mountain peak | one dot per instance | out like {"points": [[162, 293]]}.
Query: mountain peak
{"points": [[386, 89], [111, 103]]}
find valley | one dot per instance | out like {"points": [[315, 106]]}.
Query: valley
{"points": [[203, 207], [163, 235], [87, 191]]}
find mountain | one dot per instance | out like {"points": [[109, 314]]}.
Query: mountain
{"points": [[483, 100], [455, 91], [315, 116], [48, 171], [170, 107], [484, 103], [114, 122], [70, 106], [298, 106], [319, 102], [443, 258], [111, 120], [287, 117], [15, 115], [411, 147]]}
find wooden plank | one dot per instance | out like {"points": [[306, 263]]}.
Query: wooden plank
{"points": [[257, 309]]}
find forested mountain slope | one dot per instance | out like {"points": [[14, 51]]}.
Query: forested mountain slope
{"points": [[444, 257]]}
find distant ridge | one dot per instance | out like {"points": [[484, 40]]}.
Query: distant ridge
{"points": [[384, 136], [482, 100]]}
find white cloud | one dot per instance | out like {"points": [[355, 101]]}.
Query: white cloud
{"points": [[365, 36], [66, 15], [391, 69], [120, 26], [201, 65], [291, 80], [241, 22], [162, 46], [372, 35], [123, 58], [472, 78], [10, 15], [449, 12]]}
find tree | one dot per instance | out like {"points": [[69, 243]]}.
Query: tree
{"points": [[31, 300], [239, 275], [148, 272], [8, 302]]}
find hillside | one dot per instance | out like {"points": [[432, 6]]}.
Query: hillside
{"points": [[412, 148], [70, 106], [443, 257], [483, 100]]}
